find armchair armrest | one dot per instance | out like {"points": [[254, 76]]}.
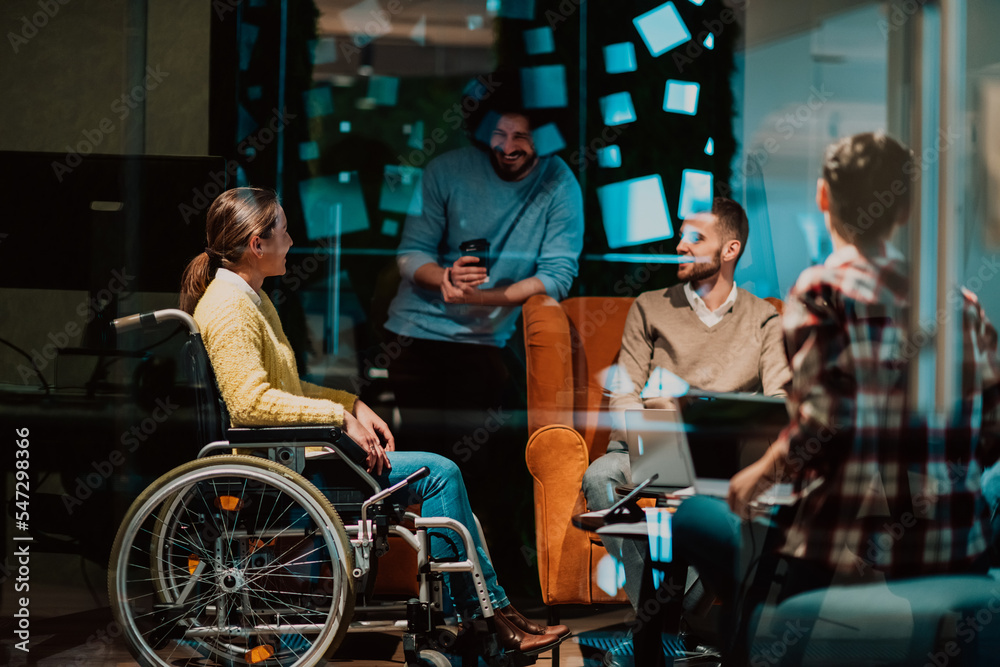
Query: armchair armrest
{"points": [[549, 360], [557, 456]]}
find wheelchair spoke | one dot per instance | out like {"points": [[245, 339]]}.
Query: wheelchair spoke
{"points": [[193, 516], [225, 534], [256, 521], [268, 595], [194, 614], [268, 523], [199, 547], [280, 564], [259, 621], [154, 580]]}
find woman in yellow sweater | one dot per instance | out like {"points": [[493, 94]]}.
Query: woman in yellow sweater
{"points": [[255, 368]]}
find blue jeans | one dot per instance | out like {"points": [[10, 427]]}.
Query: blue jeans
{"points": [[737, 560], [442, 493]]}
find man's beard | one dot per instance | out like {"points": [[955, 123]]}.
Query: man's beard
{"points": [[505, 171], [703, 270]]}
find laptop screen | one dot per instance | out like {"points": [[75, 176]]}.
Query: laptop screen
{"points": [[724, 433], [654, 439], [727, 432]]}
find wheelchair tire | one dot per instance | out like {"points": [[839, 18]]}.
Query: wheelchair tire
{"points": [[431, 659], [236, 559]]}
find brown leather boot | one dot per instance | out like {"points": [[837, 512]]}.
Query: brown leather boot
{"points": [[513, 638], [518, 620]]}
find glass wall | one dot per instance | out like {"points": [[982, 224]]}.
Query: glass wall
{"points": [[980, 241], [809, 77], [341, 104], [638, 100], [645, 99]]}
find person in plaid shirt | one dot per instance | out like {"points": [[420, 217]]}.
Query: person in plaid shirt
{"points": [[878, 490]]}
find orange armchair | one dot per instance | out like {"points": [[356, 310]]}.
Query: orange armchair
{"points": [[568, 345]]}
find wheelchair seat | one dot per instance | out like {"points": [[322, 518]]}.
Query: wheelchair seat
{"points": [[214, 426]]}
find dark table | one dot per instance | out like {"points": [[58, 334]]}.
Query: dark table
{"points": [[646, 639]]}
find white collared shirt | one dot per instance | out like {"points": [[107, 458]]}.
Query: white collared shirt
{"points": [[709, 317], [227, 276]]}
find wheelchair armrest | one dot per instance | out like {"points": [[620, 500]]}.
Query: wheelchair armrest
{"points": [[307, 435]]}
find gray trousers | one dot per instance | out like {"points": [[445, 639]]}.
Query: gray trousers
{"points": [[599, 483]]}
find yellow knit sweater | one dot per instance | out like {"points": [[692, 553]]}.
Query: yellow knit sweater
{"points": [[255, 366]]}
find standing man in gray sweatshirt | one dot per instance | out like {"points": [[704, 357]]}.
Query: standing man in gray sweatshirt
{"points": [[454, 313], [704, 332], [454, 375]]}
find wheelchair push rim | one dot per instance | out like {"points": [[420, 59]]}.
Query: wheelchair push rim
{"points": [[233, 558]]}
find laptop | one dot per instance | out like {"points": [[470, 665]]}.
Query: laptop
{"points": [[696, 449]]}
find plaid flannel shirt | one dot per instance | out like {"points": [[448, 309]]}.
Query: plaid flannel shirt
{"points": [[878, 489]]}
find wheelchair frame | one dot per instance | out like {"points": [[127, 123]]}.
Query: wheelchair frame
{"points": [[173, 605]]}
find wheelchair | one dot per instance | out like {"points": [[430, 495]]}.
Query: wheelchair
{"points": [[237, 559]]}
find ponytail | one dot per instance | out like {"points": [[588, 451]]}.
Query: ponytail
{"points": [[194, 282]]}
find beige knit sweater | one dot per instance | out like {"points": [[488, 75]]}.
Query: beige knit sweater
{"points": [[255, 366], [745, 352]]}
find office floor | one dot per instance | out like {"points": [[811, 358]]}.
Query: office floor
{"points": [[90, 638], [71, 624]]}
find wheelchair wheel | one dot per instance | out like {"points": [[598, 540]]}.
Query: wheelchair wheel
{"points": [[431, 659], [236, 559]]}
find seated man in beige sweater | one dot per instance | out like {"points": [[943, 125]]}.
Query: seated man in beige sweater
{"points": [[705, 331]]}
